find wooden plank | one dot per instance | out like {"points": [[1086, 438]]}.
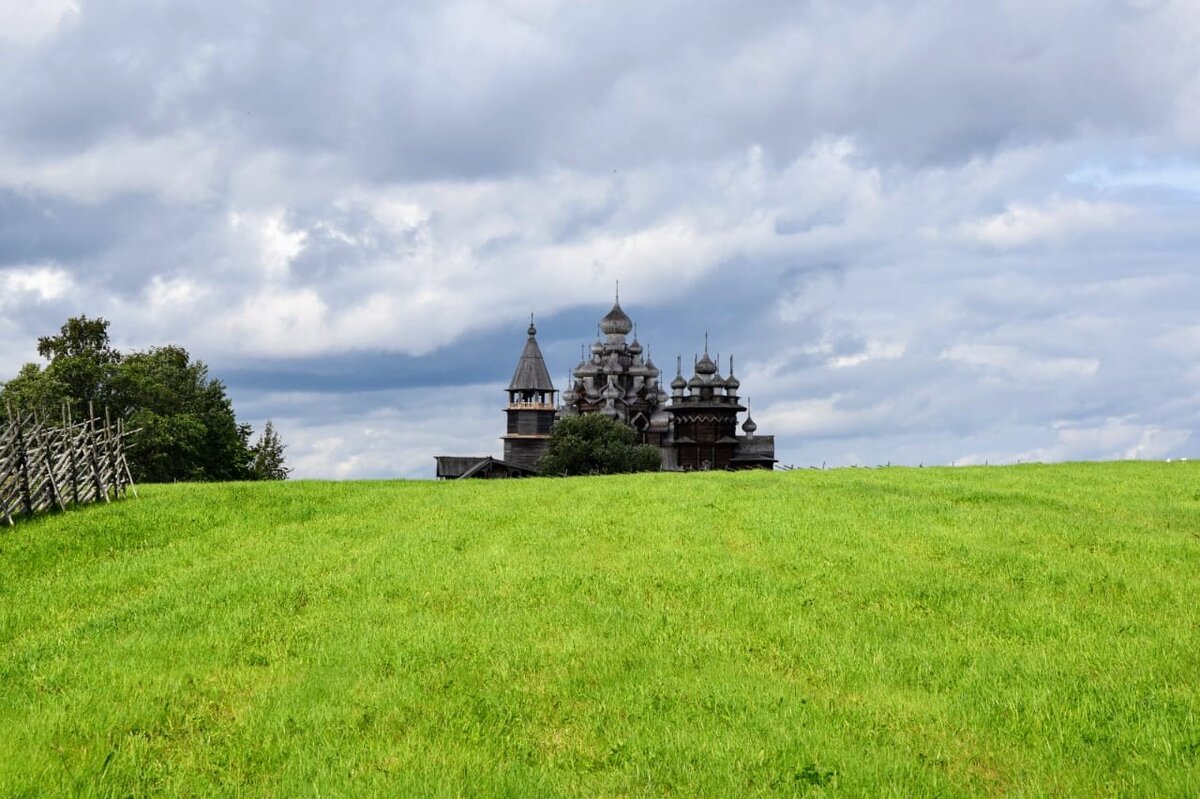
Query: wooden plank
{"points": [[48, 464], [23, 467]]}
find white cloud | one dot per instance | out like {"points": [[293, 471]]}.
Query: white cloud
{"points": [[396, 435], [1114, 439], [179, 168], [37, 283], [821, 418], [1011, 363], [1022, 225], [27, 22]]}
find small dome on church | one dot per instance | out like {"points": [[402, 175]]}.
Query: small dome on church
{"points": [[616, 322], [635, 347], [705, 366], [732, 383], [678, 382], [597, 348], [749, 426], [695, 382]]}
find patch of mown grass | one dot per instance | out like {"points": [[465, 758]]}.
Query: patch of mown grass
{"points": [[1021, 630]]}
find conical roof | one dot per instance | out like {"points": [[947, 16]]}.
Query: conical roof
{"points": [[531, 374]]}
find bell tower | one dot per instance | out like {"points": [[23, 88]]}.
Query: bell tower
{"points": [[531, 406]]}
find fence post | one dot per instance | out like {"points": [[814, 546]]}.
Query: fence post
{"points": [[23, 466], [48, 462], [69, 432], [110, 451], [121, 455], [97, 473], [7, 440]]}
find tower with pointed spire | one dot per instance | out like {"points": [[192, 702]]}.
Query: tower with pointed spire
{"points": [[531, 406]]}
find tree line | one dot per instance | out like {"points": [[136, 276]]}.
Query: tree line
{"points": [[185, 422]]}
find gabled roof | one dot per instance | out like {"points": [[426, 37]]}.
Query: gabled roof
{"points": [[490, 465], [531, 374], [452, 467]]}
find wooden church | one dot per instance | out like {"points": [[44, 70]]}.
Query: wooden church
{"points": [[695, 426]]}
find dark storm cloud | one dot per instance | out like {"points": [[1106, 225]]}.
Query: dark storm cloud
{"points": [[451, 90]]}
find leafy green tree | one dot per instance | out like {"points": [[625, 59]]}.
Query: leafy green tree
{"points": [[596, 444], [186, 425], [268, 456], [33, 389], [81, 361]]}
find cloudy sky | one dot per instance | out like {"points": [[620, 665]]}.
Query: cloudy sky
{"points": [[930, 232]]}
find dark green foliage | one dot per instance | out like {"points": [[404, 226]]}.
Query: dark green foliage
{"points": [[33, 388], [268, 456], [596, 444], [81, 359], [186, 427], [188, 430]]}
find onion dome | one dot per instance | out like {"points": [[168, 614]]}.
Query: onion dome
{"points": [[732, 383], [695, 382], [705, 365], [597, 348], [678, 384], [749, 426], [635, 347], [616, 322]]}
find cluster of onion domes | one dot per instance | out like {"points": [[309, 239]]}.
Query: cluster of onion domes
{"points": [[707, 375]]}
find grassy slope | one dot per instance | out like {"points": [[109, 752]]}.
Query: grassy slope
{"points": [[1024, 630]]}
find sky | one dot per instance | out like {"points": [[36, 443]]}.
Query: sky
{"points": [[929, 232]]}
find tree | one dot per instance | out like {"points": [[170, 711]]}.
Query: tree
{"points": [[81, 361], [268, 456], [34, 388], [595, 444], [187, 428]]}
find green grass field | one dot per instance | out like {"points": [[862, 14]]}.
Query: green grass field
{"points": [[1029, 630]]}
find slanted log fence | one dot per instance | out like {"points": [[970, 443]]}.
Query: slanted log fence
{"points": [[44, 466]]}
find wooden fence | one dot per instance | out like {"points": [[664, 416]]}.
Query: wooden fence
{"points": [[44, 466]]}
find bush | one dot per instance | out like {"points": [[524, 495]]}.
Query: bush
{"points": [[595, 444]]}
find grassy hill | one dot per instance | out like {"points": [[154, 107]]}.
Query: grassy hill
{"points": [[1023, 630]]}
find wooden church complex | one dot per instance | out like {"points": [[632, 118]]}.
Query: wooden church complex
{"points": [[695, 426]]}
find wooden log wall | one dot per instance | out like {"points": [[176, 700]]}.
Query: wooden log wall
{"points": [[45, 466]]}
